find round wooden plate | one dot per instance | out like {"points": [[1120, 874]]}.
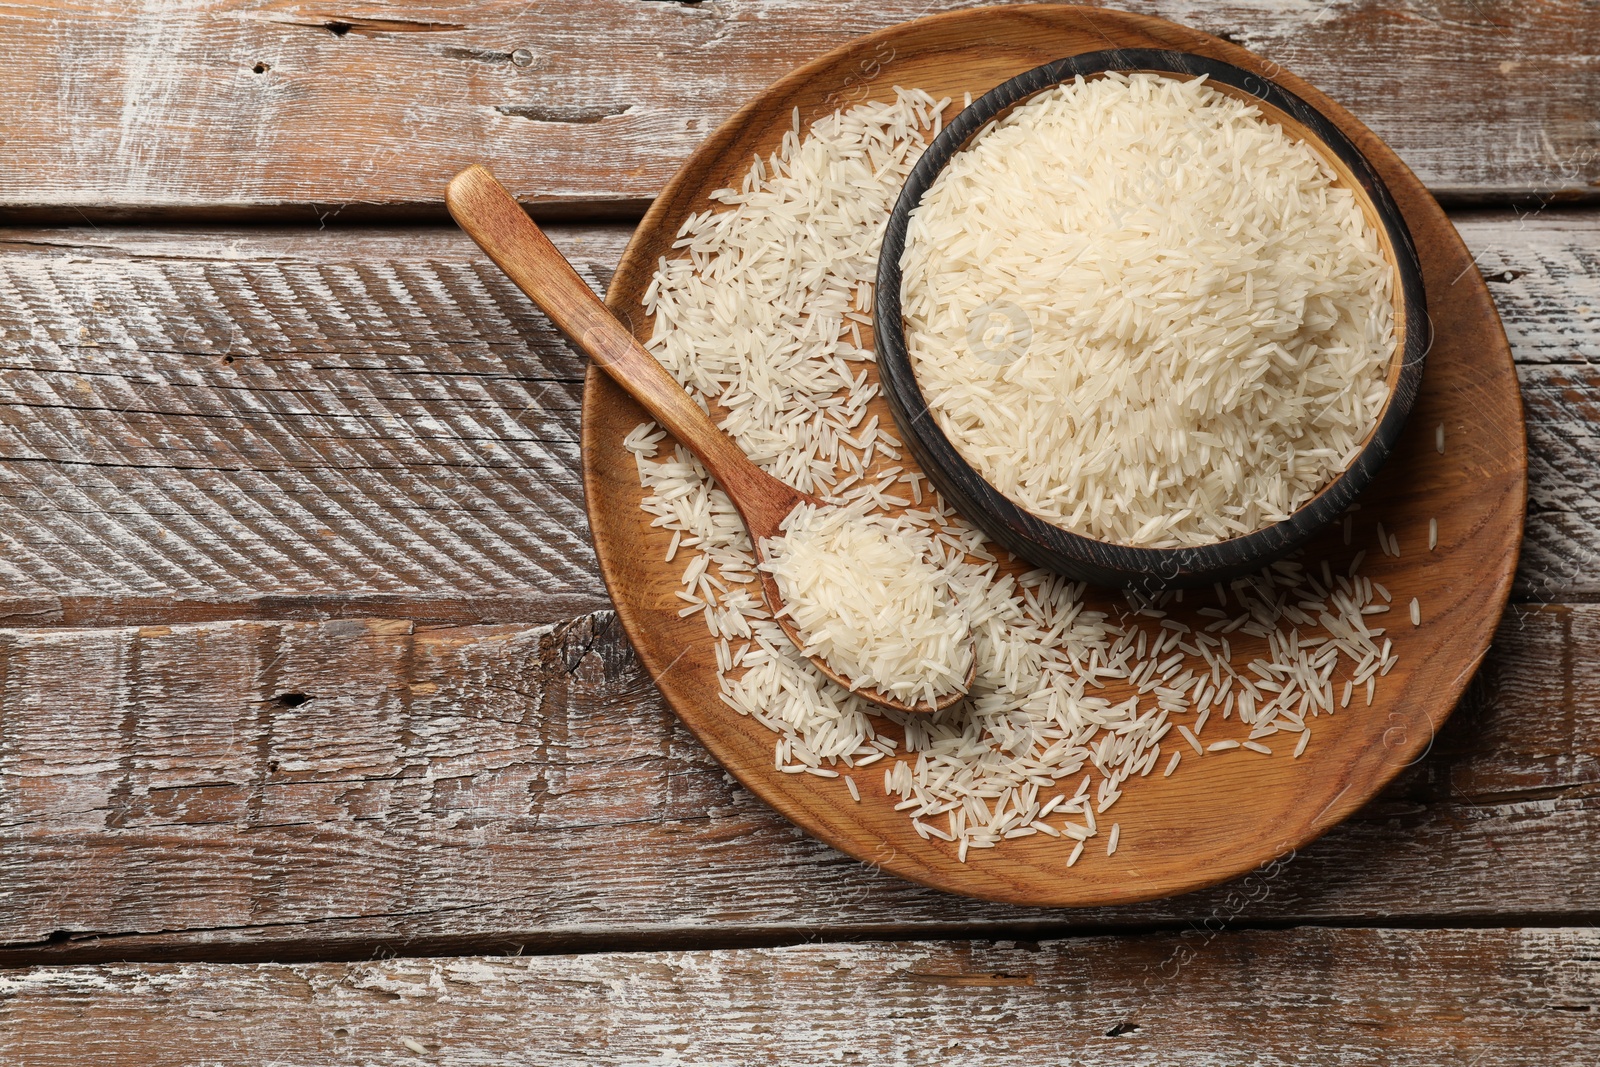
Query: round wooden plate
{"points": [[1218, 816]]}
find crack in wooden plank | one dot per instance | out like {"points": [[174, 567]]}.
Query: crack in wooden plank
{"points": [[582, 116]]}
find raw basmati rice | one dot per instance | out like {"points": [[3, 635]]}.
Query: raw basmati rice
{"points": [[871, 595], [755, 315], [1147, 314]]}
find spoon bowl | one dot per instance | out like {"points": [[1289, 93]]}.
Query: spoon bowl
{"points": [[491, 216]]}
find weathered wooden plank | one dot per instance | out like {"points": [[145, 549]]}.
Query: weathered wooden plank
{"points": [[1561, 547], [295, 424], [228, 419], [1543, 268], [1425, 997], [1544, 271], [1531, 725], [301, 789], [311, 111]]}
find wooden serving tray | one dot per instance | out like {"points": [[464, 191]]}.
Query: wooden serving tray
{"points": [[1218, 816]]}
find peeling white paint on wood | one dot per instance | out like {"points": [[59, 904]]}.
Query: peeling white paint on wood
{"points": [[1543, 269], [162, 47], [161, 109], [359, 783], [392, 420], [1402, 997]]}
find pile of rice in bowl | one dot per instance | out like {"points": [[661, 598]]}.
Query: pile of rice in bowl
{"points": [[1197, 321], [763, 313]]}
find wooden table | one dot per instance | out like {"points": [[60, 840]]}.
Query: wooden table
{"points": [[319, 742]]}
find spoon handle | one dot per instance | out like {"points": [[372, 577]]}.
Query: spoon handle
{"points": [[489, 214]]}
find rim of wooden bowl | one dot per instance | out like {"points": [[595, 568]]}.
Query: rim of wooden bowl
{"points": [[1101, 562]]}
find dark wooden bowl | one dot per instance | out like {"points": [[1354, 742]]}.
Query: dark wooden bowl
{"points": [[1100, 562]]}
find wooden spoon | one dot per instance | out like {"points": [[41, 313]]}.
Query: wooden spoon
{"points": [[493, 218]]}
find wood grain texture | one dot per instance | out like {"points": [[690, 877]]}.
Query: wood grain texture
{"points": [[295, 790], [1401, 997], [1543, 270], [308, 111], [235, 419], [1188, 825], [396, 432]]}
